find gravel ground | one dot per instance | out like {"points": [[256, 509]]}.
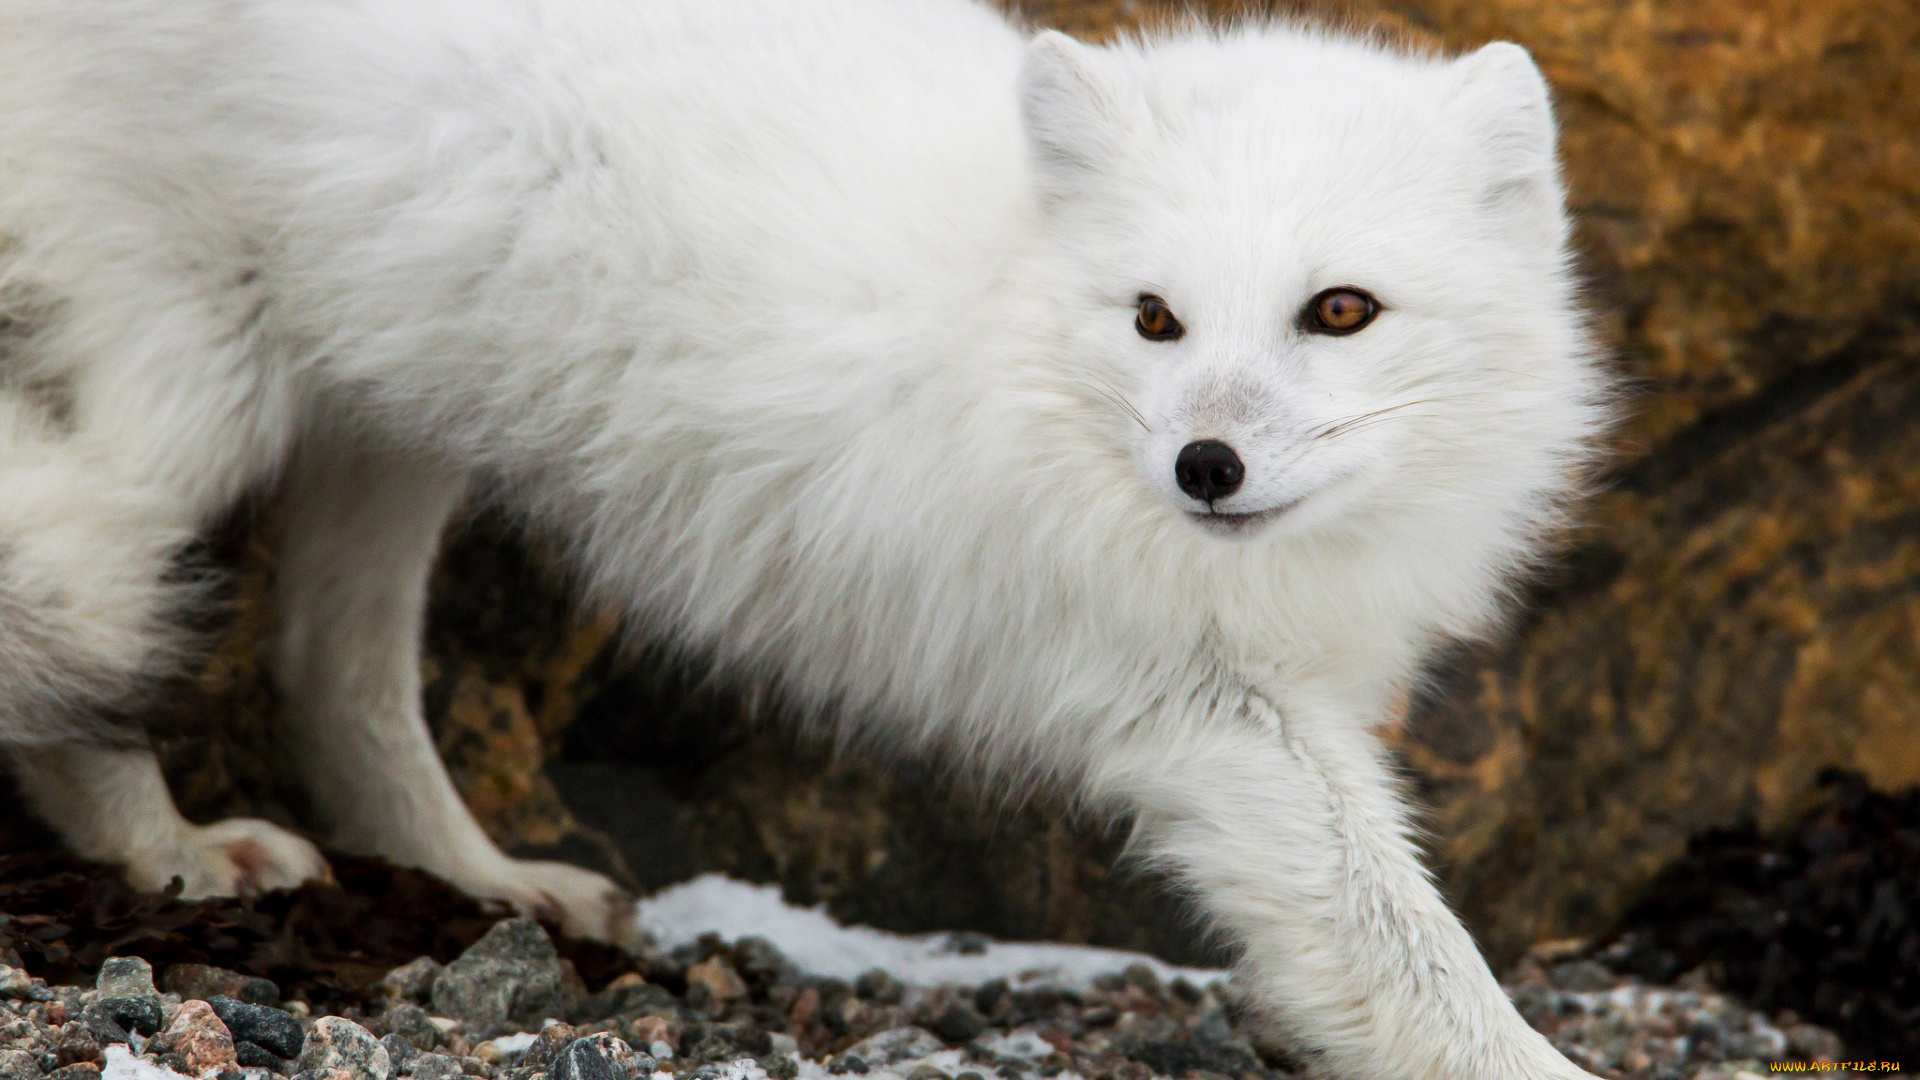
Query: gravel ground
{"points": [[511, 1008]]}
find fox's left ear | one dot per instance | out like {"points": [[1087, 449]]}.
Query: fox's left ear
{"points": [[1501, 100], [1075, 105]]}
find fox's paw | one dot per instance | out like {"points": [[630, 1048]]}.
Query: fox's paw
{"points": [[229, 858], [583, 903]]}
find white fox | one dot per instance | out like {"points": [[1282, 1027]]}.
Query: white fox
{"points": [[1133, 419]]}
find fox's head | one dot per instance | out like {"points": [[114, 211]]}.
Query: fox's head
{"points": [[1306, 280]]}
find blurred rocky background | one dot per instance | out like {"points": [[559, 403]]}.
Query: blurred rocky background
{"points": [[1741, 618]]}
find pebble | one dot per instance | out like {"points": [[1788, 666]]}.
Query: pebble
{"points": [[204, 981], [510, 974], [76, 1043], [199, 1037], [435, 1067], [125, 977], [338, 1043], [18, 985], [411, 1022], [897, 1044], [137, 1014], [269, 1028], [400, 1052], [412, 980], [1127, 1026], [958, 1023], [714, 982], [19, 1065]]}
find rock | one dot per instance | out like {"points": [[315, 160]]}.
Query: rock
{"points": [[204, 981], [400, 1052], [713, 980], [878, 985], [269, 1028], [411, 1023], [256, 1056], [435, 1067], [199, 1037], [141, 1014], [125, 977], [412, 981], [600, 1057], [958, 1023], [20, 986], [19, 1065], [547, 1045], [79, 1070], [1581, 975], [895, 1044], [763, 962], [510, 974], [1812, 1043], [338, 1043], [76, 1043], [636, 999], [323, 1074]]}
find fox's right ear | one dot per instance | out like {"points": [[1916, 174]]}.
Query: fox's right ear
{"points": [[1075, 112]]}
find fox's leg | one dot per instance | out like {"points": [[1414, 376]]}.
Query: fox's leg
{"points": [[113, 805], [361, 531], [84, 611], [1289, 830]]}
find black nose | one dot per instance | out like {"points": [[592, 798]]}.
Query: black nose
{"points": [[1208, 470]]}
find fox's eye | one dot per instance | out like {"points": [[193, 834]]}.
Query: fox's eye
{"points": [[1340, 311], [1155, 321]]}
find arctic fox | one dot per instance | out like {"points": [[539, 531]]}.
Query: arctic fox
{"points": [[1129, 418]]}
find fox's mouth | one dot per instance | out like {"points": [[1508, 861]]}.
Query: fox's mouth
{"points": [[1225, 523]]}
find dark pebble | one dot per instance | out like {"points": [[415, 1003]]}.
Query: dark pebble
{"points": [[141, 1014], [780, 1067], [958, 1023], [79, 1070], [848, 1063], [399, 1051], [877, 985], [275, 1031], [106, 1030], [989, 995], [247, 1053], [582, 1059]]}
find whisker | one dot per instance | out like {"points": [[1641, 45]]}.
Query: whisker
{"points": [[1346, 425], [1107, 390]]}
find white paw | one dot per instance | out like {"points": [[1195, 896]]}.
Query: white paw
{"points": [[583, 903], [229, 858]]}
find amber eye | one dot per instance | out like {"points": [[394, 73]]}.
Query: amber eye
{"points": [[1156, 321], [1340, 311]]}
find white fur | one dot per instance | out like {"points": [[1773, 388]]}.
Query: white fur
{"points": [[811, 325]]}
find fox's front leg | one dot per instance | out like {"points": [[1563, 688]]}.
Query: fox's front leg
{"points": [[1292, 835]]}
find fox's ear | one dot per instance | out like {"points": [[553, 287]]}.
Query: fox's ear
{"points": [[1072, 105], [1501, 99]]}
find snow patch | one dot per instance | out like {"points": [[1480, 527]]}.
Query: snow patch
{"points": [[122, 1065], [816, 943]]}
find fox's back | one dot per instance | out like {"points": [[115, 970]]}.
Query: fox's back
{"points": [[798, 152]]}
